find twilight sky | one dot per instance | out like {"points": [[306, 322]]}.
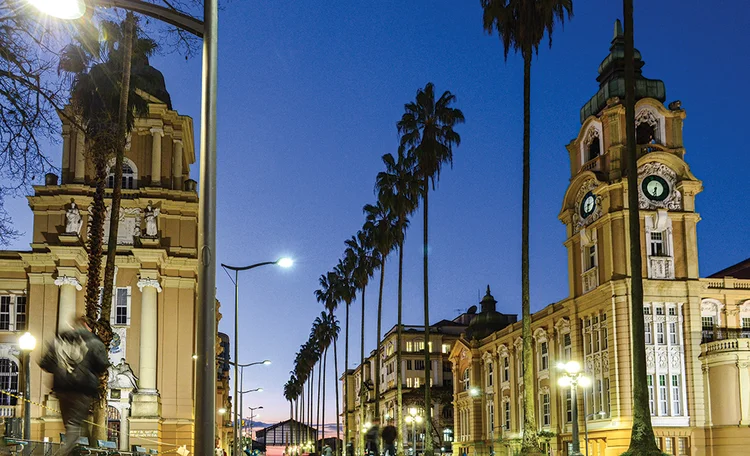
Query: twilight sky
{"points": [[309, 94]]}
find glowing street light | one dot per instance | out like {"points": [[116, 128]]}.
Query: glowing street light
{"points": [[572, 377], [61, 9], [27, 343]]}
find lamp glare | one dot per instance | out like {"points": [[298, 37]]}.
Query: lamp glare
{"points": [[27, 342], [573, 367], [285, 262], [564, 381], [61, 9], [266, 362], [584, 381]]}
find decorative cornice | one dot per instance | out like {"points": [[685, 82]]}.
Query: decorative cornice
{"points": [[67, 280], [142, 283]]}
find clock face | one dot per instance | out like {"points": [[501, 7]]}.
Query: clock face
{"points": [[655, 188], [588, 204]]}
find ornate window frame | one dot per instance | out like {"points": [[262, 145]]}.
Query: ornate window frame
{"points": [[594, 130], [653, 117], [133, 176]]}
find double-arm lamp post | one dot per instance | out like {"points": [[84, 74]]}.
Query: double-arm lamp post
{"points": [[27, 343], [253, 415], [572, 377], [414, 418], [205, 394], [284, 263]]}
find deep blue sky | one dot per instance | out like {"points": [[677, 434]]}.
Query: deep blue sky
{"points": [[309, 93]]}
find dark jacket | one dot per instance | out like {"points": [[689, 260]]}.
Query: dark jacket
{"points": [[76, 359]]}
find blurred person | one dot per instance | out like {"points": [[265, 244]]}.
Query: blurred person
{"points": [[76, 359], [350, 447], [389, 435], [372, 437]]}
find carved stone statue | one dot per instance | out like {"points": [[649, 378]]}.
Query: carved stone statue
{"points": [[73, 219], [121, 376], [150, 215]]}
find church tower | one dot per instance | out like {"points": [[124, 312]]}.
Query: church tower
{"points": [[595, 206]]}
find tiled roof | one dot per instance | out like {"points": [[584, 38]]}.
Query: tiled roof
{"points": [[740, 270]]}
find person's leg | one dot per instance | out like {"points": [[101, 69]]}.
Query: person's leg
{"points": [[77, 410]]}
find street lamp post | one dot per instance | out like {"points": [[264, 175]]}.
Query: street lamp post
{"points": [[284, 263], [205, 394], [252, 415], [242, 394], [573, 377], [242, 367], [27, 343], [414, 418]]}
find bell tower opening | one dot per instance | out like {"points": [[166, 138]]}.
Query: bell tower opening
{"points": [[594, 149]]}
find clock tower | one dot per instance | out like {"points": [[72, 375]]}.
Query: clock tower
{"points": [[595, 206]]}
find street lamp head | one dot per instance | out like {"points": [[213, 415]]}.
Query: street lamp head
{"points": [[573, 367], [584, 381], [62, 9], [474, 391], [564, 381], [285, 262], [266, 362], [27, 342], [413, 411], [418, 419], [222, 411], [408, 419], [260, 390]]}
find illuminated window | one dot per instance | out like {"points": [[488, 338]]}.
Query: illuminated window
{"points": [[12, 313], [446, 348], [466, 379]]}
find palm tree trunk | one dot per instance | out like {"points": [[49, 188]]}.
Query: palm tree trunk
{"points": [[104, 330], [642, 440], [346, 378], [427, 375], [310, 408], [338, 409], [317, 415], [291, 419], [362, 394], [530, 444], [399, 393], [323, 411], [377, 338]]}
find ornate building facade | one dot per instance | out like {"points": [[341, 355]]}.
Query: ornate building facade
{"points": [[697, 329], [154, 301]]}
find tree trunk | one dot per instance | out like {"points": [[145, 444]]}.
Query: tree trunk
{"points": [[317, 415], [427, 375], [642, 441], [399, 392], [104, 330], [323, 411], [362, 388], [530, 444], [338, 409], [377, 338], [346, 378]]}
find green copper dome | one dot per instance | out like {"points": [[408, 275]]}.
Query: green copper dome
{"points": [[612, 78], [488, 320]]}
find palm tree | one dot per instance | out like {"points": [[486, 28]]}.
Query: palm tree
{"points": [[399, 189], [642, 441], [521, 25], [427, 135], [346, 291], [360, 252], [106, 74], [290, 395], [381, 224]]}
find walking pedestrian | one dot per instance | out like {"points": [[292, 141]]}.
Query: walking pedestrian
{"points": [[350, 447], [76, 359], [389, 438], [372, 437]]}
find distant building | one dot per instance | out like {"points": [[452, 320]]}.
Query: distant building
{"points": [[697, 330], [443, 335], [289, 432]]}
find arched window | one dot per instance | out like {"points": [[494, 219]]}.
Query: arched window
{"points": [[594, 149], [129, 175], [649, 127], [8, 380], [113, 425], [591, 146]]}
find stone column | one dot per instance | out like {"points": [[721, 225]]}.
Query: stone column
{"points": [[147, 372], [177, 168], [156, 135], [67, 309], [744, 384], [80, 171], [125, 428], [66, 154]]}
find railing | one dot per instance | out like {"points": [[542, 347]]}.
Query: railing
{"points": [[727, 345], [728, 282], [644, 149], [7, 411], [661, 267], [590, 279], [724, 334], [591, 165]]}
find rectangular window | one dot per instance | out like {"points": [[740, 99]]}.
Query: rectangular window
{"points": [[507, 415], [646, 310], [676, 403], [489, 374], [647, 328], [20, 313], [682, 446], [663, 403], [745, 323], [567, 347], [650, 383], [506, 369], [568, 406], [608, 409], [491, 413], [707, 323], [417, 382], [657, 244], [419, 364], [660, 333], [603, 336], [672, 311], [446, 348], [668, 448], [429, 345], [673, 333], [408, 364], [600, 397], [409, 382], [409, 346], [590, 339], [595, 336], [419, 346], [13, 313], [545, 410], [659, 310], [121, 306], [590, 256], [544, 365]]}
